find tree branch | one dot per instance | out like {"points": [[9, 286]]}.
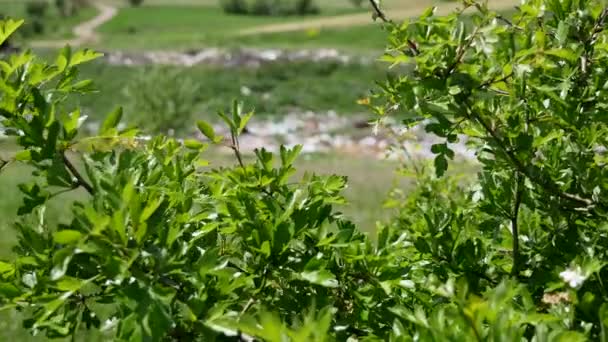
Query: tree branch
{"points": [[379, 13], [519, 166], [80, 181], [236, 148]]}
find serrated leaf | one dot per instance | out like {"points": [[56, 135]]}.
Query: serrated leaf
{"points": [[84, 56]]}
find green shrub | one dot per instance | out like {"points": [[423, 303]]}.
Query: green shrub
{"points": [[37, 9], [270, 7], [162, 100], [357, 3], [136, 3], [527, 92], [235, 6]]}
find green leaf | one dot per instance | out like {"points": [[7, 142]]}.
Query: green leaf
{"points": [[63, 59], [8, 27], [194, 144], [70, 123], [6, 269], [441, 165], [244, 121], [208, 131], [228, 121], [111, 121], [265, 248], [8, 290], [150, 209], [323, 278], [566, 54], [289, 156], [67, 237], [236, 114], [548, 138], [84, 56], [69, 284], [25, 155], [562, 32]]}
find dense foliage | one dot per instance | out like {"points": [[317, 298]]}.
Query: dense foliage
{"points": [[163, 247], [529, 94]]}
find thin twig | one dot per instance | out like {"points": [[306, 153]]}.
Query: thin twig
{"points": [[379, 13], [247, 306], [495, 80], [237, 150], [80, 181]]}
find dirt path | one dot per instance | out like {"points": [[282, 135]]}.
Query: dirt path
{"points": [[365, 18], [84, 32]]}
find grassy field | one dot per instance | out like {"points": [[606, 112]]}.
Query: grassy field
{"points": [[188, 24], [357, 39], [183, 26]]}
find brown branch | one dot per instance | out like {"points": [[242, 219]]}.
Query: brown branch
{"points": [[80, 181], [461, 51], [517, 195], [379, 13], [236, 148], [495, 80]]}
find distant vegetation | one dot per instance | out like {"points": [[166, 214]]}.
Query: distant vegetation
{"points": [[270, 7]]}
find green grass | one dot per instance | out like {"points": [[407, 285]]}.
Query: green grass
{"points": [[367, 39], [183, 27]]}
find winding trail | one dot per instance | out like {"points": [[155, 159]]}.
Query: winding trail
{"points": [[365, 18], [84, 32]]}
